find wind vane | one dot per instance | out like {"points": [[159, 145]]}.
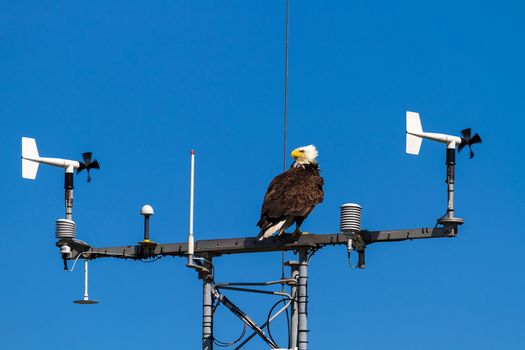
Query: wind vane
{"points": [[414, 136]]}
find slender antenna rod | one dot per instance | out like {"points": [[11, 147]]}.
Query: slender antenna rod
{"points": [[86, 299], [86, 295], [192, 185]]}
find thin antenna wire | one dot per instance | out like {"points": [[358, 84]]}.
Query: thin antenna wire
{"points": [[285, 113], [286, 87]]}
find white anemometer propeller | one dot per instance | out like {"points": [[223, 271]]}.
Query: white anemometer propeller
{"points": [[415, 135]]}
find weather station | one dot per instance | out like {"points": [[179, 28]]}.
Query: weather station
{"points": [[200, 254], [290, 198]]}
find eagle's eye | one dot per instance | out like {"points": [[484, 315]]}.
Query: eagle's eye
{"points": [[301, 150]]}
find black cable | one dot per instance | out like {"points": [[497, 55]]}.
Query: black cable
{"points": [[311, 254], [350, 262], [220, 342], [437, 222], [270, 315], [286, 85], [150, 261]]}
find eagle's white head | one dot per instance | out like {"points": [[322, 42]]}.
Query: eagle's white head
{"points": [[305, 155]]}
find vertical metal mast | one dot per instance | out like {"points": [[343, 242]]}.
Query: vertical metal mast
{"points": [[451, 164], [207, 308], [68, 187], [302, 301], [294, 317], [451, 161]]}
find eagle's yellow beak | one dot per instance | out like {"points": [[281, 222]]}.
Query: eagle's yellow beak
{"points": [[296, 154]]}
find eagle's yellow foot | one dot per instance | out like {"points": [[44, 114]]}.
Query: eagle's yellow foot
{"points": [[287, 237], [297, 233]]}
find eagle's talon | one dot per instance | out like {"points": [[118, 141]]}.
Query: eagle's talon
{"points": [[288, 238], [296, 234]]}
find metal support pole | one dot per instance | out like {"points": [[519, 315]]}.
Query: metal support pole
{"points": [[451, 162], [294, 317], [86, 295], [207, 311], [146, 228], [68, 187], [302, 301], [449, 218]]}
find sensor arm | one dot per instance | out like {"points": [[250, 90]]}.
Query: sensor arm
{"points": [[69, 165], [450, 140], [217, 247], [415, 133]]}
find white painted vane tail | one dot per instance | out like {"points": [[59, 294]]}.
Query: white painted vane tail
{"points": [[413, 127], [29, 151]]}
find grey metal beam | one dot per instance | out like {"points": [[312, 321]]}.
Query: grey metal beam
{"points": [[217, 247]]}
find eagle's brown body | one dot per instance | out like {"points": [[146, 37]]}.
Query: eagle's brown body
{"points": [[289, 199]]}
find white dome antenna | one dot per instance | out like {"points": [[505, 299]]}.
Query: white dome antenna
{"points": [[147, 211]]}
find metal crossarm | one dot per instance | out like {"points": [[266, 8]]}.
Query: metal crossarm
{"points": [[242, 245]]}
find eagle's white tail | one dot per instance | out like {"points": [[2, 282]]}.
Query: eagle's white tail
{"points": [[29, 151], [413, 127], [271, 230]]}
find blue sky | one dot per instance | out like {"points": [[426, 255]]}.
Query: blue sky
{"points": [[140, 83]]}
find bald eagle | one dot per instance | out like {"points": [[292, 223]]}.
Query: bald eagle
{"points": [[292, 195]]}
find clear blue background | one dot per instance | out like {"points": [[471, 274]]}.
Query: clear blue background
{"points": [[140, 83]]}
